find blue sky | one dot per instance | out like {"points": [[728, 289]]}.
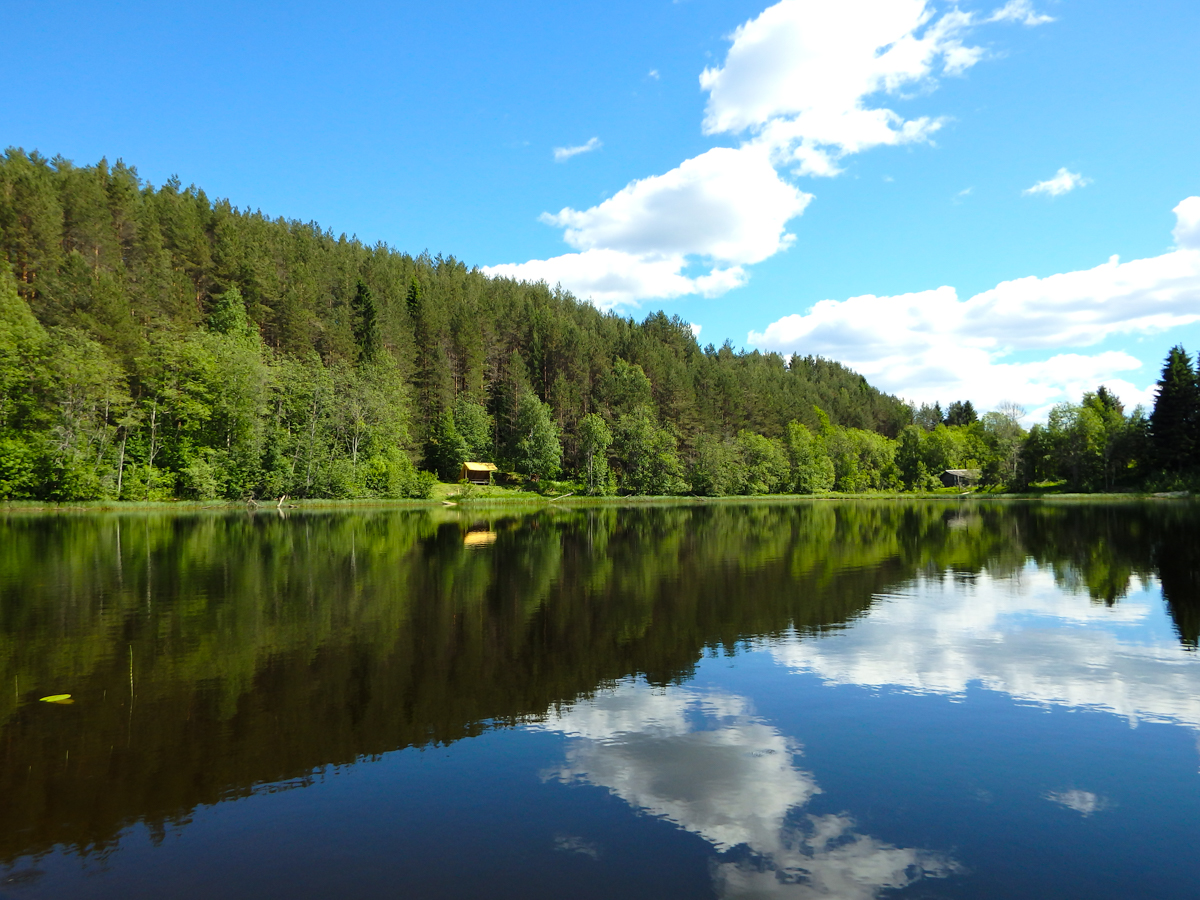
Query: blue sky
{"points": [[743, 162]]}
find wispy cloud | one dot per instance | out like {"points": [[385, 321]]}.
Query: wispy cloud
{"points": [[1020, 11], [654, 74], [1063, 182], [562, 154]]}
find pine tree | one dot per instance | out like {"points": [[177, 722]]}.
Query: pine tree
{"points": [[366, 324], [1176, 413]]}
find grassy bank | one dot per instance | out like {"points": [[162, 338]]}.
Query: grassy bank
{"points": [[453, 495]]}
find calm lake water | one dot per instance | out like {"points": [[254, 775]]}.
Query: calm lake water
{"points": [[825, 699]]}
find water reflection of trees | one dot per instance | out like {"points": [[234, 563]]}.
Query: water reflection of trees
{"points": [[261, 649]]}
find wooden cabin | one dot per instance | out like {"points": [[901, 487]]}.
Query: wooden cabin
{"points": [[959, 477], [477, 472]]}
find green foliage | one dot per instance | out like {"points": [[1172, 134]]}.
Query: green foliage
{"points": [[228, 315], [537, 452], [647, 455], [475, 427], [366, 323], [1176, 416], [912, 454], [595, 438], [1090, 446], [862, 460], [716, 467], [764, 464], [1002, 435], [19, 476], [447, 450], [928, 417], [626, 388], [812, 469], [1077, 435], [961, 412]]}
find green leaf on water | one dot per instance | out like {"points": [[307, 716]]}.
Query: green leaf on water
{"points": [[57, 698]]}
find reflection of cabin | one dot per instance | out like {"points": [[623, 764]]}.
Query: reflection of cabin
{"points": [[959, 477], [479, 538], [477, 472]]}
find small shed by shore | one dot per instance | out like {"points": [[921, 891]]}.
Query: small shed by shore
{"points": [[960, 477], [477, 472]]}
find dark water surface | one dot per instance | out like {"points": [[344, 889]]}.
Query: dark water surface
{"points": [[824, 699]]}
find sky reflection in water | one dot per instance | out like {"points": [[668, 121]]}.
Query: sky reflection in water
{"points": [[817, 700]]}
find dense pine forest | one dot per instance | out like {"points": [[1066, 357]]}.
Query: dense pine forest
{"points": [[156, 344]]}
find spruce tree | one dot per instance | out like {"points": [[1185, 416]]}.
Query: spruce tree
{"points": [[961, 412], [1176, 413]]}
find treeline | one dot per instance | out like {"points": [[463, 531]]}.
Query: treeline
{"points": [[1096, 445], [157, 344]]}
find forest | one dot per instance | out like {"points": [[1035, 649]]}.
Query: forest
{"points": [[156, 345]]}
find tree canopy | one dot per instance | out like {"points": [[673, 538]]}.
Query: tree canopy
{"points": [[157, 344]]}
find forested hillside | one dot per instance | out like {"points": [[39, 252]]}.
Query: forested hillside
{"points": [[155, 344]]}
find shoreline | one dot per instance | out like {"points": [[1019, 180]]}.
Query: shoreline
{"points": [[532, 501]]}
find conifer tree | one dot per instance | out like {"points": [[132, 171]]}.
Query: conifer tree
{"points": [[961, 412], [366, 324], [1176, 413]]}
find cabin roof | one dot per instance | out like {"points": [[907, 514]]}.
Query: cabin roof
{"points": [[962, 472], [479, 467]]}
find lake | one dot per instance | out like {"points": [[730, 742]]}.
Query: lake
{"points": [[794, 700]]}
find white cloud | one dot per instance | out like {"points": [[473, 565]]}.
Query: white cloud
{"points": [[607, 278], [696, 329], [653, 73], [1020, 11], [1063, 182], [932, 345], [801, 76], [797, 85], [562, 154], [1187, 224], [727, 207]]}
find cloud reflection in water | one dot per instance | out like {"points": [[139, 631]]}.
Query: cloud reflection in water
{"points": [[1024, 636], [703, 761]]}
